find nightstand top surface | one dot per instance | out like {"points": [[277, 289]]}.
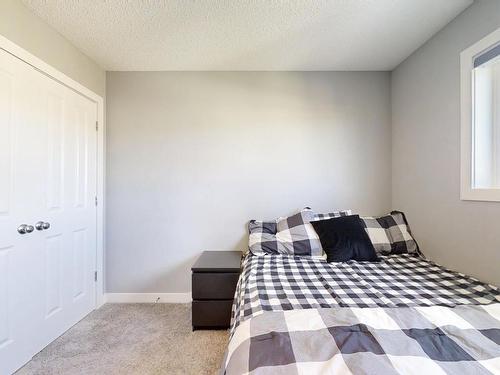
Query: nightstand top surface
{"points": [[218, 261]]}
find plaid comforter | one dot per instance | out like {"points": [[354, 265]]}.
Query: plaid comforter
{"points": [[403, 315]]}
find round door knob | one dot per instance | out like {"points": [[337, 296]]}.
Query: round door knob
{"points": [[22, 229], [39, 225], [46, 225], [29, 228]]}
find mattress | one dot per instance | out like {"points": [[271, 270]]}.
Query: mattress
{"points": [[295, 315]]}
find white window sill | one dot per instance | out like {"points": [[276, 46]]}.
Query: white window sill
{"points": [[487, 195]]}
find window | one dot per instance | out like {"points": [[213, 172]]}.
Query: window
{"points": [[480, 118]]}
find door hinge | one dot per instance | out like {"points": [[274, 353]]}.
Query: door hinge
{"points": [[96, 200], [96, 125], [95, 276]]}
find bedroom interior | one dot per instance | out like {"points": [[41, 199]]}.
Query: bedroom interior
{"points": [[250, 187]]}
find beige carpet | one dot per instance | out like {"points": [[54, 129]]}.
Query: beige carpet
{"points": [[133, 339]]}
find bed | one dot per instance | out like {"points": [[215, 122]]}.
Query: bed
{"points": [[402, 315]]}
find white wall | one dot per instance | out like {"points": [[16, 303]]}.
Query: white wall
{"points": [[21, 26], [193, 156], [426, 154]]}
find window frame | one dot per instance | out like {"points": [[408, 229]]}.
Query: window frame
{"points": [[467, 191]]}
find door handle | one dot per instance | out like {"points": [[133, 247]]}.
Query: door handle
{"points": [[24, 228], [40, 225]]}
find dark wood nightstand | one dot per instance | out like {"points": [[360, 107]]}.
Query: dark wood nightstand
{"points": [[214, 278]]}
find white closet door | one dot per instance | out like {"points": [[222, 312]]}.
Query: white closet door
{"points": [[18, 268], [67, 249], [50, 284]]}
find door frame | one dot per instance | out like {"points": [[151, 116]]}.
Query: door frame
{"points": [[62, 78]]}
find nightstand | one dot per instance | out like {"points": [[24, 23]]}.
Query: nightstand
{"points": [[214, 278]]}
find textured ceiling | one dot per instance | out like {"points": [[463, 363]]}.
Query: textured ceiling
{"points": [[247, 34]]}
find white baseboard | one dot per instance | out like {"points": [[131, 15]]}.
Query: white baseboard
{"points": [[147, 297]]}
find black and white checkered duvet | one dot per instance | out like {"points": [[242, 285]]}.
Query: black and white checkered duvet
{"points": [[299, 315]]}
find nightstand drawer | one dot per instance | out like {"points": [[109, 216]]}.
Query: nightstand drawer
{"points": [[212, 286], [212, 314]]}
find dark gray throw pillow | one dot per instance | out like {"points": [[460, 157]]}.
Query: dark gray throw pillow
{"points": [[344, 238]]}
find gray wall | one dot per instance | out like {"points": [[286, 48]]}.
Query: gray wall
{"points": [[192, 156], [426, 154], [21, 26]]}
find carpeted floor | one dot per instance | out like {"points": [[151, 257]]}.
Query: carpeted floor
{"points": [[133, 339]]}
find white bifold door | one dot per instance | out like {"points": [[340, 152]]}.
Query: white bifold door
{"points": [[47, 210]]}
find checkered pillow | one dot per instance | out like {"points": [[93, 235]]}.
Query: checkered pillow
{"points": [[292, 235], [297, 234], [331, 215], [390, 234], [262, 238]]}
